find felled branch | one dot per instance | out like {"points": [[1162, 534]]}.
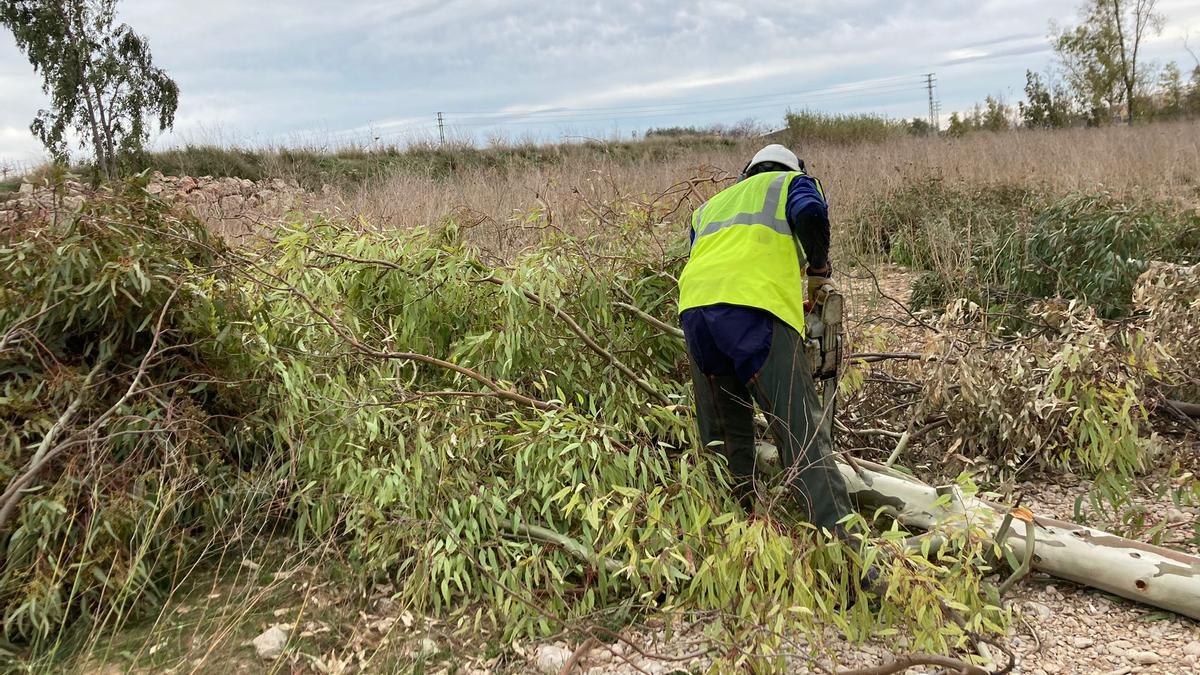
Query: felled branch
{"points": [[12, 496], [496, 388], [911, 435], [1190, 409], [46, 449], [568, 544], [576, 656], [650, 319], [589, 341], [1138, 571]]}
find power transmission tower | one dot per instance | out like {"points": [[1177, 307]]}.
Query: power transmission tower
{"points": [[442, 128], [934, 106]]}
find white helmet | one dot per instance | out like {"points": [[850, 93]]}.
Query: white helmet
{"points": [[778, 154]]}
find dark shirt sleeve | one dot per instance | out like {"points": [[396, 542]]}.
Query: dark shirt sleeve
{"points": [[808, 216]]}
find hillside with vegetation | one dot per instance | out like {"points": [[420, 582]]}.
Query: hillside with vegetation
{"points": [[428, 409]]}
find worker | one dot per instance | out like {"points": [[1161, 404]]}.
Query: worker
{"points": [[741, 303]]}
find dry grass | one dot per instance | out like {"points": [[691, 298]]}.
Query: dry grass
{"points": [[1161, 160]]}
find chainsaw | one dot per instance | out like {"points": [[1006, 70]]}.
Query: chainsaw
{"points": [[823, 347]]}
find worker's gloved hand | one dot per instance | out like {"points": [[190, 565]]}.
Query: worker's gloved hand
{"points": [[819, 288]]}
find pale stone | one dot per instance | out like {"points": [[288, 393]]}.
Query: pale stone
{"points": [[1143, 658], [1175, 516], [1038, 608], [551, 658], [270, 644], [1083, 642], [1192, 648]]}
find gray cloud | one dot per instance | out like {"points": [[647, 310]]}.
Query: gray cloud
{"points": [[1041, 47], [273, 71]]}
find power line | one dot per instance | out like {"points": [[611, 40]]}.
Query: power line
{"points": [[666, 110], [859, 85]]}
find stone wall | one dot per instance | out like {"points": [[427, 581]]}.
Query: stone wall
{"points": [[233, 206]]}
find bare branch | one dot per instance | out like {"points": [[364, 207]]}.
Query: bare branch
{"points": [[903, 663], [650, 319], [580, 652]]}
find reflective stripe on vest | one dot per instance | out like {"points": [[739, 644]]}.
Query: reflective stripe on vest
{"points": [[767, 216], [744, 253]]}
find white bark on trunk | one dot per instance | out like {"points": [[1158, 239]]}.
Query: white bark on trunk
{"points": [[1138, 571]]}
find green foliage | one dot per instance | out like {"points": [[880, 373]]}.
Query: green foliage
{"points": [[919, 126], [1004, 246], [1043, 108], [147, 468], [1100, 56], [747, 128], [993, 115], [100, 78], [432, 489], [289, 389], [1193, 95], [1173, 92], [1093, 247], [932, 224], [816, 127]]}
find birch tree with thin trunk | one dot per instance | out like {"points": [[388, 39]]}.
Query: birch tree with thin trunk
{"points": [[1102, 55], [1134, 19]]}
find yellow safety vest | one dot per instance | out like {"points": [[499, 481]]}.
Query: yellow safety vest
{"points": [[744, 252]]}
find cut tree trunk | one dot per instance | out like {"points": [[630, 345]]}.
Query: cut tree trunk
{"points": [[1135, 570], [1142, 572]]}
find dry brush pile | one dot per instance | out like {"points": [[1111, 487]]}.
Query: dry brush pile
{"points": [[1057, 333], [507, 444]]}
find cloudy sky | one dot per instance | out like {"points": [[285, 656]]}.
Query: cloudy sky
{"points": [[311, 72]]}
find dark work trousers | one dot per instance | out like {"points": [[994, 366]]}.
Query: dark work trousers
{"points": [[741, 356]]}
